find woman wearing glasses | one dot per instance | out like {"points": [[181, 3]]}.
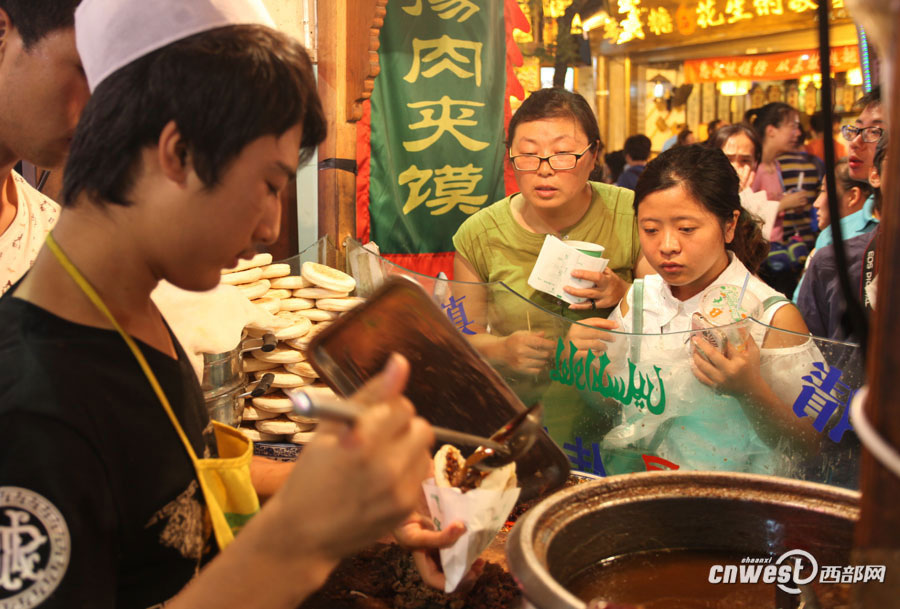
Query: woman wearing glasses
{"points": [[554, 144]]}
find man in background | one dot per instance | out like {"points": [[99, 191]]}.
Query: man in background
{"points": [[637, 152], [816, 144], [42, 93], [821, 301]]}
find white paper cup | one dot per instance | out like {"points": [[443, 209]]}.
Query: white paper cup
{"points": [[585, 247]]}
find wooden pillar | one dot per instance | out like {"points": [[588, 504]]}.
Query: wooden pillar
{"points": [[878, 532], [347, 66]]}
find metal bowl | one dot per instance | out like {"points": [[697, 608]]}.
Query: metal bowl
{"points": [[747, 514], [222, 372], [227, 407]]}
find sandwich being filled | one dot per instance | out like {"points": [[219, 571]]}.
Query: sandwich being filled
{"points": [[451, 469]]}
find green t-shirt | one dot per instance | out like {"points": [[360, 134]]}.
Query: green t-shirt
{"points": [[501, 249]]}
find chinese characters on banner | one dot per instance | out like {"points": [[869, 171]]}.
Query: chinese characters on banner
{"points": [[437, 121], [774, 66], [629, 17]]}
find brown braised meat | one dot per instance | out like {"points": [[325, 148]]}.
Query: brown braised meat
{"points": [[463, 478]]}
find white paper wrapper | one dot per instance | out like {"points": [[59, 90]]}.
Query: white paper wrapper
{"points": [[482, 511], [553, 268]]}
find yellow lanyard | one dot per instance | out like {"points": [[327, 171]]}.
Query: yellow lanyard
{"points": [[91, 293], [225, 481]]}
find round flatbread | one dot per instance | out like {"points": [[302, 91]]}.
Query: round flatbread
{"points": [[309, 422], [291, 282], [319, 293], [303, 369], [446, 453], [280, 269], [279, 426], [297, 304], [299, 328], [281, 354], [257, 260], [251, 364], [303, 342], [283, 379], [319, 314], [274, 402], [254, 435], [327, 277], [318, 389], [339, 304], [251, 413], [277, 294], [304, 437], [267, 304], [291, 316], [255, 290], [241, 277]]}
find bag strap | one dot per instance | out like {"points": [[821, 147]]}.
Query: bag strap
{"points": [[771, 301], [637, 317]]}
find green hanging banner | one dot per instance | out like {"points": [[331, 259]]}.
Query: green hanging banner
{"points": [[437, 122]]}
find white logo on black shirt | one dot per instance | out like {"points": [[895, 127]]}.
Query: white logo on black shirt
{"points": [[34, 548]]}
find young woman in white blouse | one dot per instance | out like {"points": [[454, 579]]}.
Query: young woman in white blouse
{"points": [[728, 409]]}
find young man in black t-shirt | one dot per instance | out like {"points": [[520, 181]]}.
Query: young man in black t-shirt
{"points": [[196, 122]]}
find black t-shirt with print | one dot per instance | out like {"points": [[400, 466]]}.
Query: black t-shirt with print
{"points": [[83, 433]]}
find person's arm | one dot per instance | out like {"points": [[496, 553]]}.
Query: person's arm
{"points": [[792, 199], [522, 351], [268, 475], [738, 372], [349, 487], [811, 301]]}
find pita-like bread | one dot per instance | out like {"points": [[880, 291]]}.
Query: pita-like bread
{"points": [[449, 462]]}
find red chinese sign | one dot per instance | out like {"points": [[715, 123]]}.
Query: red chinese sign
{"points": [[775, 66]]}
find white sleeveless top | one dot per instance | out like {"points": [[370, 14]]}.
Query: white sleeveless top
{"points": [[700, 429], [664, 314]]}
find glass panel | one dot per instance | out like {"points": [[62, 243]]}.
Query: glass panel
{"points": [[619, 403]]}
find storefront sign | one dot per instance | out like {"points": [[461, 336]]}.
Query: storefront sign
{"points": [[437, 122], [775, 66], [659, 21]]}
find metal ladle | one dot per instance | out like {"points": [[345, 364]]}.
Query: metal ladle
{"points": [[504, 446]]}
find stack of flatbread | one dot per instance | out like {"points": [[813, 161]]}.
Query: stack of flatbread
{"points": [[302, 305]]}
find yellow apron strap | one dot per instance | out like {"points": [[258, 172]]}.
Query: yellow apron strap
{"points": [[225, 482], [91, 293]]}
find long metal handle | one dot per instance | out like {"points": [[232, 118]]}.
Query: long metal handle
{"points": [[336, 409]]}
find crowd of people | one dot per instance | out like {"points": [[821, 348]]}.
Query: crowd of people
{"points": [[774, 156]]}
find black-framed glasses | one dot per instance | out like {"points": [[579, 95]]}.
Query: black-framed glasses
{"points": [[557, 162], [870, 135]]}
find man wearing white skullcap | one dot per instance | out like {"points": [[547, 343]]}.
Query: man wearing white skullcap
{"points": [[110, 474], [42, 92]]}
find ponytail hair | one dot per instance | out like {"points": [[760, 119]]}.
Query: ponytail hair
{"points": [[774, 114], [708, 177]]}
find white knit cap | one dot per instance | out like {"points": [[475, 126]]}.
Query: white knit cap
{"points": [[110, 34]]}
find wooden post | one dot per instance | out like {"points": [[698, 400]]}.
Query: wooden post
{"points": [[347, 64], [878, 532]]}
